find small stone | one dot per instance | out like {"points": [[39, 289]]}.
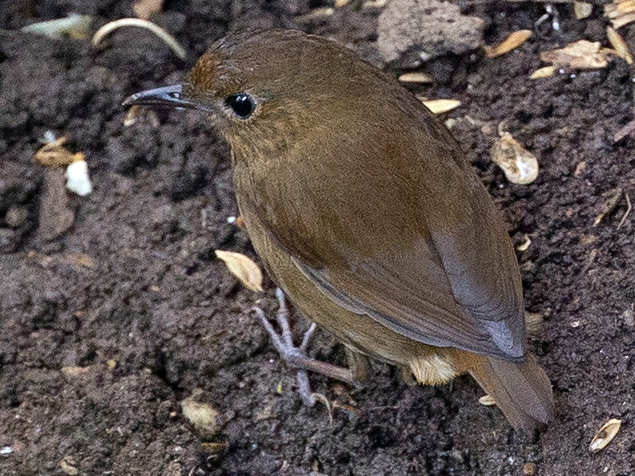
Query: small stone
{"points": [[16, 216], [413, 32]]}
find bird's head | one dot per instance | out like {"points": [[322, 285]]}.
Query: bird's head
{"points": [[264, 90]]}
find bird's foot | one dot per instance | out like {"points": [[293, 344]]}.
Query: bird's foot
{"points": [[296, 356]]}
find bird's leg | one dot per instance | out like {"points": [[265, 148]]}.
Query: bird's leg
{"points": [[296, 356]]}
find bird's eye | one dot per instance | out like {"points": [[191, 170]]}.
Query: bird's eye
{"points": [[241, 104]]}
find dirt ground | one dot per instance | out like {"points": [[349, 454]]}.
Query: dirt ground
{"points": [[113, 308]]}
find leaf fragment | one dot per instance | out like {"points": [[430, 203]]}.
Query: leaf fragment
{"points": [[620, 12], [534, 322], [487, 400], [605, 435], [529, 469], [618, 43], [439, 106], [420, 78], [243, 267], [317, 14], [513, 41], [136, 112], [54, 154], [201, 415], [69, 466], [520, 165], [582, 10], [543, 72], [582, 54], [76, 26], [524, 246]]}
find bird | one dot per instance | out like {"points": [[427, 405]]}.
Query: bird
{"points": [[367, 215]]}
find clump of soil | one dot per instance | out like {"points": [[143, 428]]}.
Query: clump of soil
{"points": [[108, 324]]}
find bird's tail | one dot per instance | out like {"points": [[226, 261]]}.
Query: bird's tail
{"points": [[521, 389]]}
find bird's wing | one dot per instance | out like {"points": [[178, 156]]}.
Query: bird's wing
{"points": [[414, 242], [444, 292]]}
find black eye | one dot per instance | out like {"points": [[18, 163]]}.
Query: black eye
{"points": [[241, 104]]}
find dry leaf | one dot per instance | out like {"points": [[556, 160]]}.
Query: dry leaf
{"points": [[520, 165], [582, 9], [315, 14], [54, 154], [416, 78], [76, 26], [525, 244], [247, 272], [145, 8], [620, 12], [529, 469], [202, 416], [487, 400], [624, 20], [69, 466], [513, 41], [238, 221], [375, 4], [605, 435], [137, 112], [543, 72], [618, 43], [582, 54], [533, 322], [439, 106], [623, 7]]}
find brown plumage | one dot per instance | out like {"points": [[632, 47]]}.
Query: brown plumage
{"points": [[366, 213]]}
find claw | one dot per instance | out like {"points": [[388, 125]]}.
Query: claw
{"points": [[296, 356]]}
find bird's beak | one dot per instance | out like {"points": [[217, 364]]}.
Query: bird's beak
{"points": [[167, 96]]}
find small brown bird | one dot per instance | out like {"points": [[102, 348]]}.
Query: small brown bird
{"points": [[366, 213]]}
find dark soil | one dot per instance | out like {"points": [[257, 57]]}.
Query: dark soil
{"points": [[110, 321]]}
